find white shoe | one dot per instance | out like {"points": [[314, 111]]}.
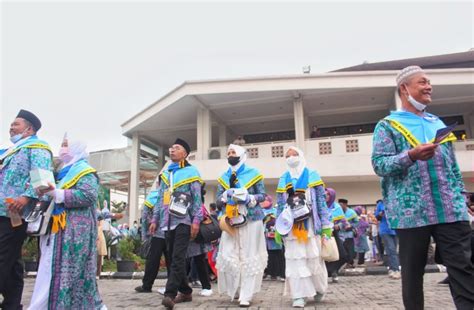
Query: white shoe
{"points": [[161, 291], [205, 293], [298, 303], [244, 304], [318, 297], [395, 275], [281, 279]]}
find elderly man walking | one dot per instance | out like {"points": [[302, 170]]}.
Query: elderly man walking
{"points": [[16, 195], [422, 190], [178, 212]]}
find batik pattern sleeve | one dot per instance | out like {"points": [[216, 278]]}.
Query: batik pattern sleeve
{"points": [[386, 160], [220, 192], [455, 169], [39, 159], [157, 209], [147, 214], [319, 197], [83, 194], [258, 191], [196, 202], [281, 202]]}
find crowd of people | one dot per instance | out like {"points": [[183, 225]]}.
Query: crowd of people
{"points": [[248, 237]]}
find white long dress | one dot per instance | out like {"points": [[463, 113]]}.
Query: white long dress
{"points": [[241, 261], [305, 272]]}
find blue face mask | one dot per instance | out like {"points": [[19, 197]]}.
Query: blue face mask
{"points": [[416, 104], [16, 138]]}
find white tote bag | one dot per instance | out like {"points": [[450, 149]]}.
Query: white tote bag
{"points": [[329, 251]]}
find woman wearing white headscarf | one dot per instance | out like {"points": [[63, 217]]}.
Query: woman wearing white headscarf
{"points": [[303, 218], [242, 255], [66, 274]]}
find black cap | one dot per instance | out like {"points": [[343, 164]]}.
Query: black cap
{"points": [[30, 117], [183, 144], [343, 200]]}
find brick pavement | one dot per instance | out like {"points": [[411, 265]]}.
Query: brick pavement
{"points": [[357, 292]]}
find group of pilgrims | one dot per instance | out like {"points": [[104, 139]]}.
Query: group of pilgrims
{"points": [[259, 239]]}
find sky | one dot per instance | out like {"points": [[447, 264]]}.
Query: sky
{"points": [[86, 67]]}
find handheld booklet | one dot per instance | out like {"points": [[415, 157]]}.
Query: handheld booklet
{"points": [[443, 133]]}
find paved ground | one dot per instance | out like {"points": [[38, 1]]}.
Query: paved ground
{"points": [[354, 292]]}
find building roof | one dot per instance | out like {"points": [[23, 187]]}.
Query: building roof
{"points": [[445, 61]]}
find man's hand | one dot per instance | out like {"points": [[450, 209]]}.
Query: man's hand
{"points": [[194, 231], [152, 228], [18, 204], [423, 152]]}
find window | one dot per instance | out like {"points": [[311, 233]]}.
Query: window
{"points": [[277, 151], [252, 152], [325, 148], [352, 146]]}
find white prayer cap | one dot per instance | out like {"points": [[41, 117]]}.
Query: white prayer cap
{"points": [[405, 73]]}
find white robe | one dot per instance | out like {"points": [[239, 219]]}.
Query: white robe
{"points": [[241, 261]]}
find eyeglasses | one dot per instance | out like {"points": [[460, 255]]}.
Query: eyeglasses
{"points": [[176, 148]]}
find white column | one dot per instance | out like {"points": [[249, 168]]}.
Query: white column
{"points": [[161, 156], [298, 112], [398, 101], [222, 135], [204, 131], [134, 180]]}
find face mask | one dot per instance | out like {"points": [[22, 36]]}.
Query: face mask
{"points": [[16, 138], [293, 161], [233, 160], [417, 105], [64, 155]]}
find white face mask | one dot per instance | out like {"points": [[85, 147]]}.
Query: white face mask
{"points": [[293, 161], [416, 104]]}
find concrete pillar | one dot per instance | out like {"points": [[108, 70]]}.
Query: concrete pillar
{"points": [[298, 112], [133, 191], [397, 100], [307, 127], [469, 120], [161, 156], [204, 132], [222, 135]]}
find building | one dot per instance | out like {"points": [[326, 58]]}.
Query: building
{"points": [[273, 113]]}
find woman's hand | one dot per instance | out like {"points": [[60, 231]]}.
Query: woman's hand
{"points": [[49, 189]]}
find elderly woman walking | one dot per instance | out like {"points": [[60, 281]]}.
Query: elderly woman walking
{"points": [[67, 270]]}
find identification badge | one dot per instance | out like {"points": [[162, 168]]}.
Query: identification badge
{"points": [[167, 198]]}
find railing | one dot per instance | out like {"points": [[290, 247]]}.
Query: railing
{"points": [[338, 145]]}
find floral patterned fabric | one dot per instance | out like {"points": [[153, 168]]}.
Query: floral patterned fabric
{"points": [[417, 193], [15, 176], [73, 282]]}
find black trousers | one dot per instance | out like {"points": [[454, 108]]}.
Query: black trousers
{"points": [[360, 258], [11, 267], [453, 241], [152, 264], [177, 241], [333, 267], [200, 262], [276, 263], [349, 247]]}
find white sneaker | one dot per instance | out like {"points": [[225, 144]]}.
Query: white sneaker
{"points": [[205, 293], [161, 291], [298, 303], [244, 304], [396, 275]]}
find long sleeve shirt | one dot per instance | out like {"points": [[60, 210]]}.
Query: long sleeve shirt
{"points": [[417, 193], [15, 176]]}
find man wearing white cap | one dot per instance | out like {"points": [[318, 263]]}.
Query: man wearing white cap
{"points": [[422, 189]]}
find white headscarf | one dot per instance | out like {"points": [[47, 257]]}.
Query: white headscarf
{"points": [[298, 170], [77, 149], [241, 153]]}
